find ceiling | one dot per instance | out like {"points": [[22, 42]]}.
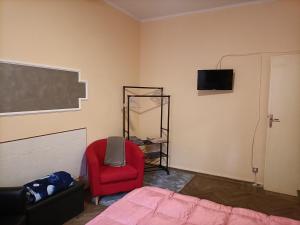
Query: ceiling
{"points": [[154, 9]]}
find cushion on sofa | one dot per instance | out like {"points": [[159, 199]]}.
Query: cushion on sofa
{"points": [[110, 174], [51, 184]]}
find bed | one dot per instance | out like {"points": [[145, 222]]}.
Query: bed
{"points": [[156, 206]]}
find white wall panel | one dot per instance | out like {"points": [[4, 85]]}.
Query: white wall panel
{"points": [[24, 160]]}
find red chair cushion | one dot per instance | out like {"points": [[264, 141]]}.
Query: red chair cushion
{"points": [[109, 174]]}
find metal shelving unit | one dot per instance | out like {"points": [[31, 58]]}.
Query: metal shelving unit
{"points": [[151, 158]]}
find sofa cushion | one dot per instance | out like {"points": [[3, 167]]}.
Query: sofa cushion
{"points": [[110, 174], [44, 187]]}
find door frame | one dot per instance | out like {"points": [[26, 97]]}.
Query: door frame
{"points": [[268, 135]]}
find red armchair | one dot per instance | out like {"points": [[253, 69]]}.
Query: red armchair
{"points": [[106, 180]]}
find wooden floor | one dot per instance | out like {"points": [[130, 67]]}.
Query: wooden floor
{"points": [[90, 212], [242, 194], [225, 191]]}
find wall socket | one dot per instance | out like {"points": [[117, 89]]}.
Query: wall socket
{"points": [[255, 170]]}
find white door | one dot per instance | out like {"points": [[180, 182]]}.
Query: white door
{"points": [[282, 166]]}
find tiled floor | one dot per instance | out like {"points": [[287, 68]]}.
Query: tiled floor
{"points": [[224, 191]]}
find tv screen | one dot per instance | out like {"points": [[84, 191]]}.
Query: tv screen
{"points": [[215, 79]]}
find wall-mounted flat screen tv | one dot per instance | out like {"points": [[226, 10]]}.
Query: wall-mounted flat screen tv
{"points": [[215, 79]]}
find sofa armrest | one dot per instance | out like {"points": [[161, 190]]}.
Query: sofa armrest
{"points": [[12, 200]]}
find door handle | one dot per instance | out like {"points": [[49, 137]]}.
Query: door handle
{"points": [[272, 119]]}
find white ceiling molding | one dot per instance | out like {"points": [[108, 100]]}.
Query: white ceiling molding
{"points": [[121, 10], [207, 10], [138, 9]]}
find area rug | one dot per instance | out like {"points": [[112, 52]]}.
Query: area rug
{"points": [[175, 181]]}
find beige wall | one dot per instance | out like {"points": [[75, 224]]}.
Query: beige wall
{"points": [[211, 132], [81, 34]]}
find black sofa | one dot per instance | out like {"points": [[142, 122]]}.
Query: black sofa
{"points": [[12, 206], [54, 210]]}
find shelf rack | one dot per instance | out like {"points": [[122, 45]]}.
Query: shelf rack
{"points": [[150, 157]]}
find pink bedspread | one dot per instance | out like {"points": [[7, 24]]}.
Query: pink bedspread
{"points": [[155, 206]]}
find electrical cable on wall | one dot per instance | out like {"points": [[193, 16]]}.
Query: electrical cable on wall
{"points": [[219, 66], [258, 119]]}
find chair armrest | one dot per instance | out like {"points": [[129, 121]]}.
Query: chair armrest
{"points": [[12, 200], [94, 167], [138, 159], [138, 156]]}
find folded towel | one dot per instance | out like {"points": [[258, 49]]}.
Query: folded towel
{"points": [[115, 152]]}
